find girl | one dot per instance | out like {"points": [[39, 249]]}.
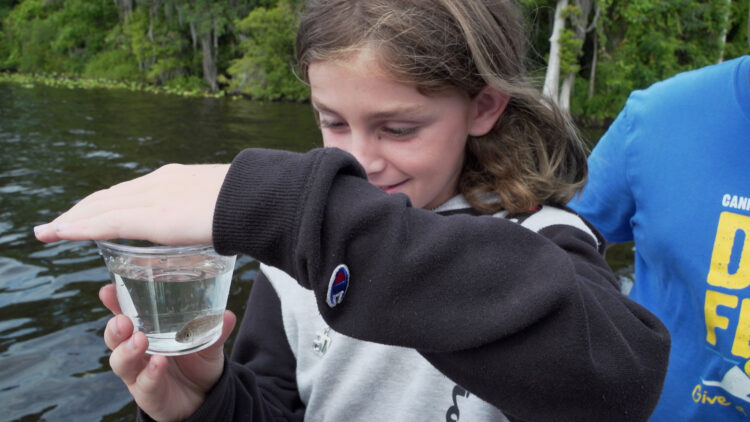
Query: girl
{"points": [[418, 267]]}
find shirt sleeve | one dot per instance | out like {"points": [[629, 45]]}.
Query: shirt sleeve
{"points": [[607, 200], [532, 322]]}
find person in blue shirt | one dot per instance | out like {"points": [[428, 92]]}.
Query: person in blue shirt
{"points": [[672, 174]]}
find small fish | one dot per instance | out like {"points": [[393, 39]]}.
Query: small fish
{"points": [[197, 327]]}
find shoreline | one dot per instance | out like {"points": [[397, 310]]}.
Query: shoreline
{"points": [[76, 82], [59, 80]]}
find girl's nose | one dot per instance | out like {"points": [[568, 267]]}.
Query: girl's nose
{"points": [[366, 149]]}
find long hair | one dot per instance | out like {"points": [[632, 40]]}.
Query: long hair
{"points": [[533, 155]]}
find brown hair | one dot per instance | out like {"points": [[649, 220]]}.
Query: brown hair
{"points": [[533, 155]]}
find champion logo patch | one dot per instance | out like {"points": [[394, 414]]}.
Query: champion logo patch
{"points": [[338, 285]]}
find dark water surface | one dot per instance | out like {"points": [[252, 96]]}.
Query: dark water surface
{"points": [[59, 145]]}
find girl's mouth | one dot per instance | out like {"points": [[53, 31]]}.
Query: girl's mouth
{"points": [[391, 188]]}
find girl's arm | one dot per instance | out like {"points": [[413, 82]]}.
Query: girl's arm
{"points": [[532, 322]]}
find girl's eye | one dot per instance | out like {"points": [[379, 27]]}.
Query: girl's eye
{"points": [[400, 131], [331, 124]]}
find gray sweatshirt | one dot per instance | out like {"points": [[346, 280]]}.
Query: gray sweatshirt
{"points": [[433, 315]]}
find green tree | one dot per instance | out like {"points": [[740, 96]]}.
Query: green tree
{"points": [[27, 33], [43, 36], [211, 29], [569, 30], [736, 41], [82, 27], [157, 45], [265, 71], [5, 8], [605, 48], [644, 41], [628, 45]]}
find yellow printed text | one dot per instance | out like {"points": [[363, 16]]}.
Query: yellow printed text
{"points": [[702, 397], [726, 234], [713, 319]]}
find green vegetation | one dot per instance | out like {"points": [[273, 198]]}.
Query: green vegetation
{"points": [[265, 70], [607, 48], [188, 47]]}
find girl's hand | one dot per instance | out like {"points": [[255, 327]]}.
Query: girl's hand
{"points": [[166, 388], [173, 205]]}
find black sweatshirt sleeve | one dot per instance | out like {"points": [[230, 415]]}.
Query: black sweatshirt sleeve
{"points": [[530, 322], [258, 383]]}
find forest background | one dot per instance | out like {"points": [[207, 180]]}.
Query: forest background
{"points": [[587, 55]]}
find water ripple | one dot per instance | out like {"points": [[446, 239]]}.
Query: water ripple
{"points": [[11, 189], [42, 370], [10, 238], [81, 132], [17, 173], [59, 249], [103, 154], [8, 325]]}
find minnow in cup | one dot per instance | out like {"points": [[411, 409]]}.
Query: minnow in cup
{"points": [[176, 295]]}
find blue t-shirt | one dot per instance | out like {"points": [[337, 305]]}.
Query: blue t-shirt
{"points": [[672, 173]]}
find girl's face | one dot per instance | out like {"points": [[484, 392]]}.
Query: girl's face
{"points": [[407, 142]]}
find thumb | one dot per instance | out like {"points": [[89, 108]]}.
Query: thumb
{"points": [[217, 349]]}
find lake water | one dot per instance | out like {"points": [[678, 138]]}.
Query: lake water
{"points": [[57, 146]]}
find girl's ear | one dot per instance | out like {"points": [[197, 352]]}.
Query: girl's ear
{"points": [[488, 105]]}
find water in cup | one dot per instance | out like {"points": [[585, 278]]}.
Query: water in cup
{"points": [[177, 300]]}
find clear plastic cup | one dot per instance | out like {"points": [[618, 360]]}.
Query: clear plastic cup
{"points": [[176, 295]]}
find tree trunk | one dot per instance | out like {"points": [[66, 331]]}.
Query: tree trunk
{"points": [[595, 57], [566, 91], [153, 12], [209, 62], [552, 79], [562, 95], [580, 26], [216, 35], [193, 35], [126, 9], [592, 74], [723, 36]]}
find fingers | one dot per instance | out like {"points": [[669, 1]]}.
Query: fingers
{"points": [[165, 388], [129, 358], [116, 223], [103, 201], [127, 347], [46, 233], [144, 375], [150, 379], [119, 329], [173, 205], [99, 203], [132, 223], [108, 296]]}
